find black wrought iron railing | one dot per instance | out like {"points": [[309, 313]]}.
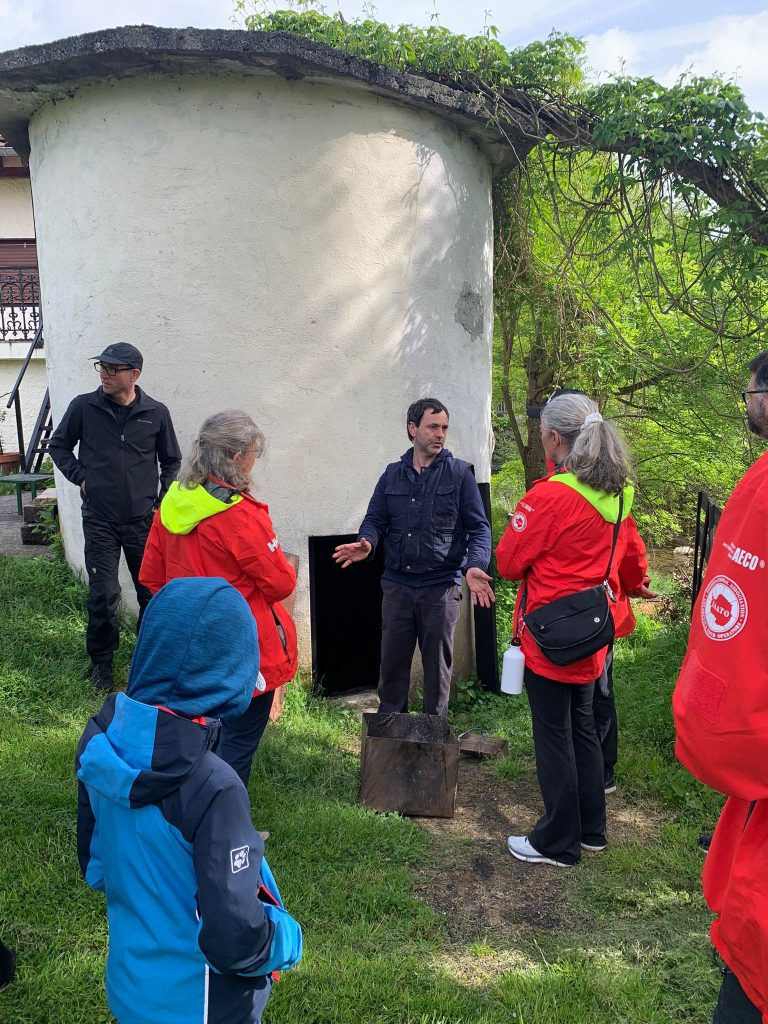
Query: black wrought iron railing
{"points": [[707, 517], [19, 303], [31, 456]]}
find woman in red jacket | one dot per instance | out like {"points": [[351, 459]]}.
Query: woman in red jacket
{"points": [[559, 540], [209, 524]]}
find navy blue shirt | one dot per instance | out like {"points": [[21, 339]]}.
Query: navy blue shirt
{"points": [[433, 523]]}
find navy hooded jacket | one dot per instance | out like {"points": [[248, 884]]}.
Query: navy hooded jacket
{"points": [[196, 924]]}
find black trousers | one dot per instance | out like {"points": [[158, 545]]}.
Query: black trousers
{"points": [[103, 543], [427, 615], [240, 737], [733, 1004], [569, 766], [606, 721]]}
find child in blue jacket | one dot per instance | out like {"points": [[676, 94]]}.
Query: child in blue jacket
{"points": [[196, 923]]}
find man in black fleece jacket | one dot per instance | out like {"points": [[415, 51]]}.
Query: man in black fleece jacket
{"points": [[122, 435]]}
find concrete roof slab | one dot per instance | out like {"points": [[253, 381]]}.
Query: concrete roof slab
{"points": [[34, 75]]}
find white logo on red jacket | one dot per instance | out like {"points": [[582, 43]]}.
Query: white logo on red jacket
{"points": [[519, 522], [273, 544], [742, 557], [723, 609]]}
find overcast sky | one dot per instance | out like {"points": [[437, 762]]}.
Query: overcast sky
{"points": [[650, 37]]}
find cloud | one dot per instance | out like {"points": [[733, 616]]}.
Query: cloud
{"points": [[733, 46]]}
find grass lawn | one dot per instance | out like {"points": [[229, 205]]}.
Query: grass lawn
{"points": [[403, 924]]}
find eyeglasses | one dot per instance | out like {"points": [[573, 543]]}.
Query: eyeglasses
{"points": [[110, 370], [757, 391]]}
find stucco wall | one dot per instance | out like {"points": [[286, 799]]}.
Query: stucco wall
{"points": [[314, 254], [16, 208]]}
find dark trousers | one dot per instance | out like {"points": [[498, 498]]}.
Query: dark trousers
{"points": [[569, 766], [241, 736], [427, 615], [103, 543], [733, 1004], [606, 722]]}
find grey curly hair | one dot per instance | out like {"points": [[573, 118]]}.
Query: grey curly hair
{"points": [[220, 438], [598, 455]]}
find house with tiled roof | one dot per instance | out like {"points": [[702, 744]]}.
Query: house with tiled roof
{"points": [[19, 295]]}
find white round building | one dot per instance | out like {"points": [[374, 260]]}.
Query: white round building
{"points": [[279, 228]]}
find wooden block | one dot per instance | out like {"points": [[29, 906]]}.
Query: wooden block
{"points": [[46, 497], [476, 744], [32, 535], [403, 770], [33, 514]]}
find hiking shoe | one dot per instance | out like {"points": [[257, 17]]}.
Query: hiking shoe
{"points": [[520, 848], [101, 676], [593, 848], [610, 784]]}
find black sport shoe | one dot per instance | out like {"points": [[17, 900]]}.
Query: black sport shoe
{"points": [[610, 783], [705, 840], [101, 676]]}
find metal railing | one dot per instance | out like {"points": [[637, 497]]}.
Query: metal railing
{"points": [[707, 517], [19, 303], [42, 427]]}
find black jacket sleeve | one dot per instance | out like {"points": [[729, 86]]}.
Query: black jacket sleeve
{"points": [[63, 440], [376, 521], [168, 453], [235, 934]]}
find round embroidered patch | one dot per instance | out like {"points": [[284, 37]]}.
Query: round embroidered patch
{"points": [[519, 521], [723, 609]]}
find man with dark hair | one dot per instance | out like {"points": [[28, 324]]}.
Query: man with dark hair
{"points": [[428, 510], [122, 435], [721, 710]]}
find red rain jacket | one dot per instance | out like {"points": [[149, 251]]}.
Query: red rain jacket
{"points": [[561, 539], [721, 716], [238, 543]]}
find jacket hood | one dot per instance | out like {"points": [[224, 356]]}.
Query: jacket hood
{"points": [[135, 754], [606, 504], [197, 651], [184, 508]]}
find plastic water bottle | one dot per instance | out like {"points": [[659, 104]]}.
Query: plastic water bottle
{"points": [[512, 667]]}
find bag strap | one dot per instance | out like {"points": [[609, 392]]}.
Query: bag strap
{"points": [[614, 539], [616, 529]]}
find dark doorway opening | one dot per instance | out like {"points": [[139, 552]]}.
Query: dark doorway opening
{"points": [[345, 606]]}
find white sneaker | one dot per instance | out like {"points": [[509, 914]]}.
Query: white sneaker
{"points": [[593, 849], [519, 847]]}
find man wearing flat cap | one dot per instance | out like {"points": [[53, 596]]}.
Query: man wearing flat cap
{"points": [[127, 457]]}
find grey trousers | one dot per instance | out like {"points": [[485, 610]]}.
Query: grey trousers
{"points": [[423, 615]]}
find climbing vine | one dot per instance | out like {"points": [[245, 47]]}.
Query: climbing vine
{"points": [[630, 242]]}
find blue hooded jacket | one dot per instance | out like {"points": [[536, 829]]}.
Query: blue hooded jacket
{"points": [[196, 923]]}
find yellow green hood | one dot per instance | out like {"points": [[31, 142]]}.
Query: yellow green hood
{"points": [[606, 504], [183, 508]]}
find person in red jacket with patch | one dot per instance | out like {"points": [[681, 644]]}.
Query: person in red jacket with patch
{"points": [[720, 705], [559, 541], [209, 524]]}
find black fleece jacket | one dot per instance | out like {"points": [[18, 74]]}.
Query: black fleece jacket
{"points": [[118, 462]]}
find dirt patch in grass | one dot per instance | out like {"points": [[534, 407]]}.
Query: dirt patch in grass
{"points": [[482, 892]]}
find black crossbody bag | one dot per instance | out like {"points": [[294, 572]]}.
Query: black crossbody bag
{"points": [[577, 625]]}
